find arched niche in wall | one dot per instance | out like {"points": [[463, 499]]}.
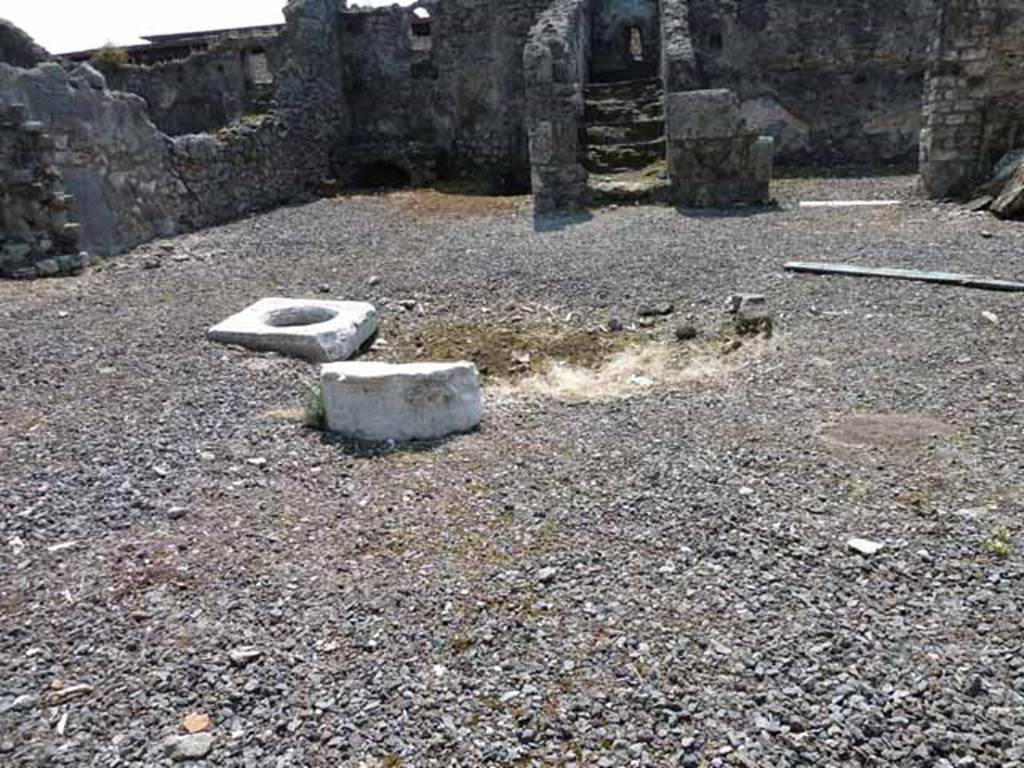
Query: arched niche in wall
{"points": [[421, 28]]}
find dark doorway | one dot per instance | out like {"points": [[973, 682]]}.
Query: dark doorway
{"points": [[381, 174]]}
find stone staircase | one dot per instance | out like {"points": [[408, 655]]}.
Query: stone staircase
{"points": [[625, 125]]}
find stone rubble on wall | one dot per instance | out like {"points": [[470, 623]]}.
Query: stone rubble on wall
{"points": [[713, 158], [17, 48], [37, 238], [555, 68]]}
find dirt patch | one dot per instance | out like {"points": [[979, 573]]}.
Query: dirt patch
{"points": [[454, 202], [509, 352], [881, 430]]}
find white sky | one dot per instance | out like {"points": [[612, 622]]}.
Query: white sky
{"points": [[71, 25]]}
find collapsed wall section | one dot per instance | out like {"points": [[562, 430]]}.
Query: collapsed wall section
{"points": [[17, 48], [974, 95], [205, 91], [113, 161], [37, 237]]}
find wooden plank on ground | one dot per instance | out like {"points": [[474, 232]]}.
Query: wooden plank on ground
{"points": [[942, 278]]}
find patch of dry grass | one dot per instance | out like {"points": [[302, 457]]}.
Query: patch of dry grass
{"points": [[634, 371]]}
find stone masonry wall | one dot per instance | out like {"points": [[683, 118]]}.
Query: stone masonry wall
{"points": [[480, 61], [391, 84], [834, 82], [610, 24], [204, 92], [974, 95], [37, 238]]}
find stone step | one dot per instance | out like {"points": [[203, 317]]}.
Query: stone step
{"points": [[623, 112], [613, 158], [625, 133], [625, 90]]}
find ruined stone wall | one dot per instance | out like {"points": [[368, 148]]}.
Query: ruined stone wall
{"points": [[37, 238], [114, 162], [310, 98], [974, 95], [834, 82], [132, 183], [390, 79], [204, 92]]}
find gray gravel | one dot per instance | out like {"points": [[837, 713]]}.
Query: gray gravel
{"points": [[659, 580]]}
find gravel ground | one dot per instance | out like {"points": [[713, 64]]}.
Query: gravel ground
{"points": [[657, 579]]}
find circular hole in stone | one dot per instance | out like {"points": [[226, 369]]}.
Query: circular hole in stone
{"points": [[289, 317]]}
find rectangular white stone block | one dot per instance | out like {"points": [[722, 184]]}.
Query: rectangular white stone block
{"points": [[416, 401]]}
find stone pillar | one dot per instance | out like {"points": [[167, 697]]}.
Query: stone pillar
{"points": [[713, 159], [554, 63], [678, 60]]}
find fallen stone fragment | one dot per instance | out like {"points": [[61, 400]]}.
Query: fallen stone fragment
{"points": [[196, 722], [745, 302], [244, 655], [69, 693], [547, 575], [192, 747], [176, 513], [686, 333], [417, 401], [1010, 203], [864, 546], [751, 312], [313, 329], [19, 704], [660, 309]]}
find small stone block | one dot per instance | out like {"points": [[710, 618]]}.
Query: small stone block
{"points": [[864, 546]]}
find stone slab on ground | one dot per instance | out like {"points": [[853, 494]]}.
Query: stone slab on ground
{"points": [[416, 401], [316, 330]]}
